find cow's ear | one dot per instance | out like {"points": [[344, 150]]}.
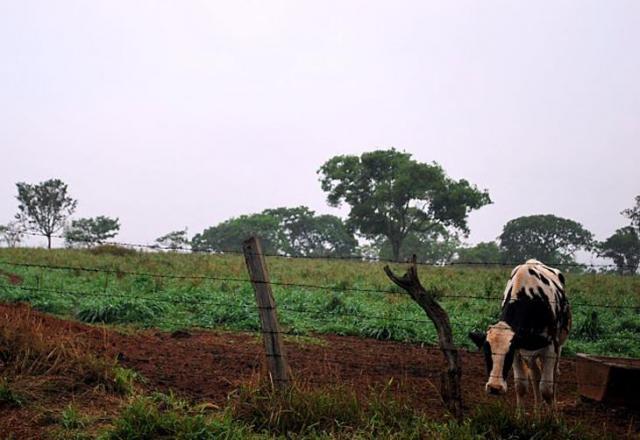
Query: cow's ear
{"points": [[478, 338]]}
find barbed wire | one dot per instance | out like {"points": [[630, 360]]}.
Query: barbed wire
{"points": [[291, 285], [357, 257]]}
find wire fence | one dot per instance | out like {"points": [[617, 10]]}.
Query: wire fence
{"points": [[355, 257], [325, 288], [367, 366]]}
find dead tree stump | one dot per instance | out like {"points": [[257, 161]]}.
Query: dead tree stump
{"points": [[450, 379]]}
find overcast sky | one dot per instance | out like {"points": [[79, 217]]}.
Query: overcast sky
{"points": [[185, 113]]}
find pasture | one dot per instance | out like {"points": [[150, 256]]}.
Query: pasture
{"points": [[165, 345], [174, 291]]}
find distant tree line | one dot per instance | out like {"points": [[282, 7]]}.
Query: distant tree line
{"points": [[397, 207]]}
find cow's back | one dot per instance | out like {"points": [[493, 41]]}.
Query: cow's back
{"points": [[535, 302]]}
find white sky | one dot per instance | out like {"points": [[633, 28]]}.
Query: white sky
{"points": [[185, 113]]}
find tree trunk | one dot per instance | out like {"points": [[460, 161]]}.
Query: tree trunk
{"points": [[395, 248], [450, 389], [49, 241]]}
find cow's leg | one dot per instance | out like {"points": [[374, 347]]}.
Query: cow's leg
{"points": [[547, 382], [534, 378], [520, 376], [556, 378]]}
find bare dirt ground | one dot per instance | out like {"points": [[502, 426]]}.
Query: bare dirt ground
{"points": [[207, 366]]}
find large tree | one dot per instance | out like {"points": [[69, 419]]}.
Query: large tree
{"points": [[91, 231], [391, 195], [623, 247], [550, 239], [284, 231], [44, 207]]}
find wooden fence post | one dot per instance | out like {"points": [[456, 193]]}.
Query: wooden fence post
{"points": [[450, 384], [273, 346]]}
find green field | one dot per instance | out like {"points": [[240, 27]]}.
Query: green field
{"points": [[177, 291]]}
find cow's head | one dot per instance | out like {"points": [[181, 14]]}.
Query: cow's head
{"points": [[498, 345]]}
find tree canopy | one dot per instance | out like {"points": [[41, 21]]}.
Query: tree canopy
{"points": [[433, 247], [482, 253], [175, 240], [91, 231], [623, 247], [285, 231], [550, 239], [44, 207], [302, 233], [229, 235], [633, 214], [391, 195], [12, 233]]}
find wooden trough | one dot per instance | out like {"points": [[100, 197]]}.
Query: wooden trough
{"points": [[609, 380]]}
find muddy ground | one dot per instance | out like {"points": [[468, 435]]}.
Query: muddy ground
{"points": [[208, 366]]}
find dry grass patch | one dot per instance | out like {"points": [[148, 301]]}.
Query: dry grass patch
{"points": [[52, 359]]}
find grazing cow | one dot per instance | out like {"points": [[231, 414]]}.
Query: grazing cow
{"points": [[534, 324]]}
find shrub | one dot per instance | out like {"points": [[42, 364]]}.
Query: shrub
{"points": [[112, 249], [165, 416], [590, 328], [120, 311]]}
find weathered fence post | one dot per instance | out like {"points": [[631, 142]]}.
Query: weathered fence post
{"points": [[273, 346], [450, 385]]}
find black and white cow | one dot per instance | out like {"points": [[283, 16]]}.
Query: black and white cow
{"points": [[534, 324]]}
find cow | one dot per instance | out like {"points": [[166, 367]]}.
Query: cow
{"points": [[534, 324]]}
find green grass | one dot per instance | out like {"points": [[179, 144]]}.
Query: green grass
{"points": [[150, 299], [261, 413], [162, 416]]}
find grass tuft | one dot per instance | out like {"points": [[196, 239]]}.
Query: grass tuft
{"points": [[120, 311], [337, 411], [165, 416], [8, 396]]}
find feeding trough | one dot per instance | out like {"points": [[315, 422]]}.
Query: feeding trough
{"points": [[608, 379]]}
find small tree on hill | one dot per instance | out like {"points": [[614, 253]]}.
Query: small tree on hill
{"points": [[91, 231], [12, 233], [44, 207], [175, 240], [550, 239], [633, 214], [623, 248]]}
